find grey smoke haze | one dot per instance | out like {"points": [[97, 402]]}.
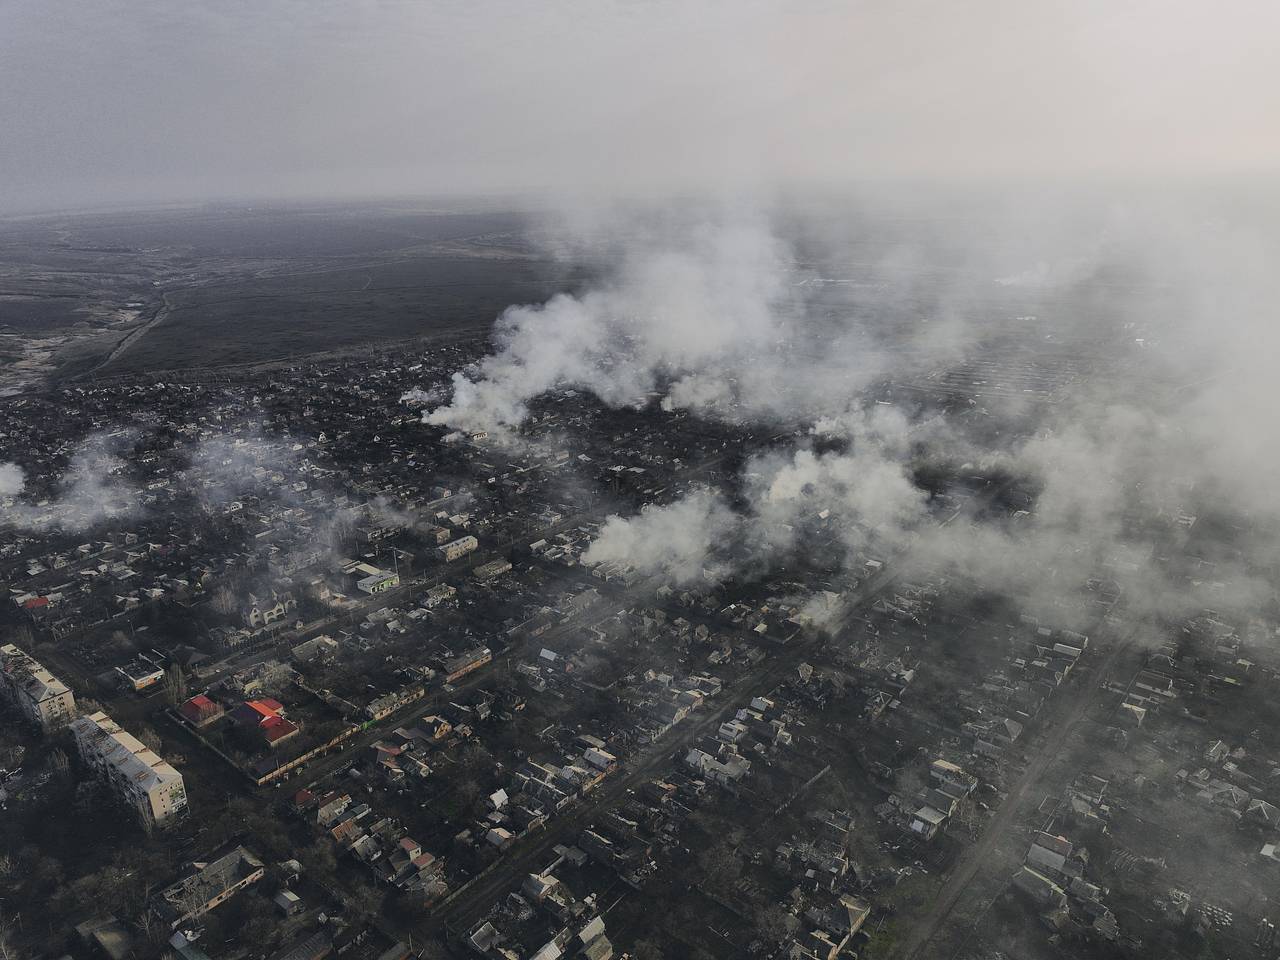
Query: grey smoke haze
{"points": [[223, 468], [1187, 432], [686, 541], [90, 491], [150, 100], [128, 100], [93, 490], [12, 479], [700, 316]]}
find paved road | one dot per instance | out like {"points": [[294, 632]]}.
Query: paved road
{"points": [[1067, 711], [130, 338]]}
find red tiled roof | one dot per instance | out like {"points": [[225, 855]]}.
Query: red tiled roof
{"points": [[263, 715], [199, 708], [266, 707], [276, 728]]}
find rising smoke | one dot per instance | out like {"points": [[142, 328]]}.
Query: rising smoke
{"points": [[12, 479], [704, 320], [1161, 422], [90, 491], [689, 541]]}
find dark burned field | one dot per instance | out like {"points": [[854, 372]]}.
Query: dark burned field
{"points": [[244, 321], [229, 285]]}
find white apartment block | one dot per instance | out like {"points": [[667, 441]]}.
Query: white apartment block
{"points": [[42, 697], [458, 548], [139, 777]]}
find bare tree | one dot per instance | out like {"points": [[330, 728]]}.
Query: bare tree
{"points": [[468, 790], [120, 641], [175, 686], [150, 739], [7, 949], [224, 602], [21, 635], [59, 762], [433, 950]]}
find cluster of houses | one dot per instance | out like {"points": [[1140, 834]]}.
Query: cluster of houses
{"points": [[725, 758], [544, 920], [948, 787], [380, 843], [260, 722], [538, 790], [818, 863], [1054, 877]]}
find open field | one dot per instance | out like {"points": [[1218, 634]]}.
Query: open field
{"points": [[269, 318], [115, 294]]}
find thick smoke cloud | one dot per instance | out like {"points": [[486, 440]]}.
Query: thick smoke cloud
{"points": [[1150, 473], [703, 319], [724, 310], [687, 541], [706, 306], [867, 497]]}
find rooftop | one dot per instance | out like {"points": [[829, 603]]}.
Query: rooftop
{"points": [[126, 753]]}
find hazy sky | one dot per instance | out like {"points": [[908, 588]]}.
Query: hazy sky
{"points": [[108, 101]]}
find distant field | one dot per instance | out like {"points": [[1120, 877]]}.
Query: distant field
{"points": [[38, 315], [283, 232], [262, 319], [246, 283]]}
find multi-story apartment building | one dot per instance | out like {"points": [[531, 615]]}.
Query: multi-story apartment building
{"points": [[138, 776], [42, 697], [457, 548]]}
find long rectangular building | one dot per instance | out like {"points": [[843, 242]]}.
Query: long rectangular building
{"points": [[459, 667], [138, 776], [208, 885], [42, 697], [457, 548]]}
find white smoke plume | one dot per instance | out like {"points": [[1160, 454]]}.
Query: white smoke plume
{"points": [[89, 492], [824, 611], [727, 322], [866, 495], [686, 541], [700, 317], [723, 310], [12, 479], [417, 397]]}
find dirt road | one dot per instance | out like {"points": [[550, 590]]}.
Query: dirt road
{"points": [[1068, 711]]}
